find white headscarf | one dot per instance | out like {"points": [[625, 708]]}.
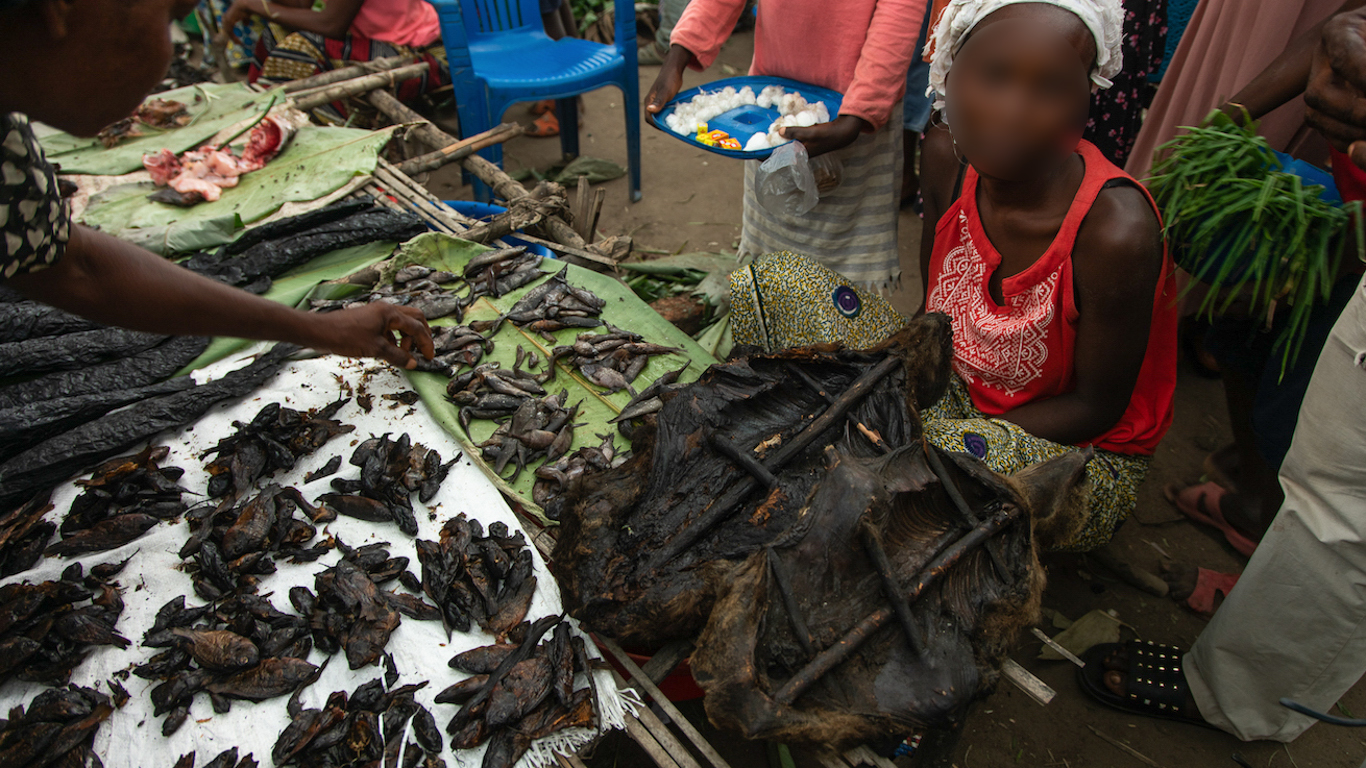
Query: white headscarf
{"points": [[1104, 18]]}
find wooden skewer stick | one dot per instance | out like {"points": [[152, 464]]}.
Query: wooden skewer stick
{"points": [[346, 73], [831, 657], [460, 150], [357, 86], [725, 504]]}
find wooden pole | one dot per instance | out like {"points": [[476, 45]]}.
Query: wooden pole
{"points": [[346, 73], [357, 86], [460, 150], [502, 184]]}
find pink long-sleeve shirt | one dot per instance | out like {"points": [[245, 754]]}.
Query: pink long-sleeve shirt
{"points": [[860, 48]]}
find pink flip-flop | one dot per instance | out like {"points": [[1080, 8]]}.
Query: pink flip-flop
{"points": [[1207, 495], [1208, 586]]}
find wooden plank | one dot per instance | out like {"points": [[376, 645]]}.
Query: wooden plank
{"points": [[862, 755], [1023, 679], [642, 682], [666, 659]]}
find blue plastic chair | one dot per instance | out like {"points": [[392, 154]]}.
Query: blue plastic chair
{"points": [[499, 55]]}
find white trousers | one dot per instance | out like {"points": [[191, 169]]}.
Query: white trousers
{"points": [[1295, 624]]}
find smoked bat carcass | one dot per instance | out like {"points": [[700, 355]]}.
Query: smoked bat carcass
{"points": [[843, 578]]}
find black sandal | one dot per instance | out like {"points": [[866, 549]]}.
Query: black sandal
{"points": [[1154, 685]]}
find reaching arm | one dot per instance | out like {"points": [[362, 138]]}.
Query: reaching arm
{"points": [[334, 20], [110, 281], [1116, 264]]}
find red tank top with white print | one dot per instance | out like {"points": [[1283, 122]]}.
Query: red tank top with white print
{"points": [[1023, 350]]}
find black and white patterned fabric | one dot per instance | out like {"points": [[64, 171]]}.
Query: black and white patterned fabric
{"points": [[34, 221]]}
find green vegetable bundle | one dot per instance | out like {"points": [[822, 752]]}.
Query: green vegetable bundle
{"points": [[1238, 222]]}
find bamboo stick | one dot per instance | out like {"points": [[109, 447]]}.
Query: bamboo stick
{"points": [[346, 73], [357, 86], [581, 207]]}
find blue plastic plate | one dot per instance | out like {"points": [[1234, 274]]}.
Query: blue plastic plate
{"points": [[743, 122]]}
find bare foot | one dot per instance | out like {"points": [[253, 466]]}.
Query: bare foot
{"points": [[1180, 579]]}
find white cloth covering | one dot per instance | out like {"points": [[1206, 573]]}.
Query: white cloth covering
{"points": [[132, 738], [1104, 18]]}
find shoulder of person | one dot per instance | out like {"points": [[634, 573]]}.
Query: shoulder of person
{"points": [[1120, 230]]}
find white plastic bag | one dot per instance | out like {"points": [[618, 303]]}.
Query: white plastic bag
{"points": [[785, 183]]}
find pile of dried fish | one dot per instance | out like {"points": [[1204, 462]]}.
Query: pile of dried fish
{"points": [[348, 610], [550, 306], [364, 728], [139, 370], [123, 499], [225, 759], [391, 471], [48, 627], [231, 547], [554, 476], [539, 428], [456, 346], [519, 693], [500, 272], [57, 458], [58, 728], [275, 439], [240, 648], [474, 578], [412, 286], [24, 535], [612, 360], [270, 250]]}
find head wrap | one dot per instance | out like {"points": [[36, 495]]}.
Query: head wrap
{"points": [[1104, 18]]}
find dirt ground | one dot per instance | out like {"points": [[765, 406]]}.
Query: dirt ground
{"points": [[692, 201]]}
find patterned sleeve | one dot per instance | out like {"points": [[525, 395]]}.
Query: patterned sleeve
{"points": [[34, 219]]}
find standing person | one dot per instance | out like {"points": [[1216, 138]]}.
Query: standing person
{"points": [[1225, 45], [916, 108], [1295, 624], [79, 67], [865, 49], [1048, 258], [1117, 111], [652, 53]]}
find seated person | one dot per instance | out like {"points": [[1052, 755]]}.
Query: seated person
{"points": [[342, 33], [1047, 257]]}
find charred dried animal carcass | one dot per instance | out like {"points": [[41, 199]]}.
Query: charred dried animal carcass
{"points": [[57, 728], [853, 579], [47, 629], [122, 500], [366, 727], [391, 471], [475, 578], [239, 648], [275, 439], [517, 693], [225, 759], [24, 534]]}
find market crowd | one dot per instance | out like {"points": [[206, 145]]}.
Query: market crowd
{"points": [[1023, 132]]}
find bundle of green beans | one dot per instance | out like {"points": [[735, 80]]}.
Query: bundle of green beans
{"points": [[1238, 222]]}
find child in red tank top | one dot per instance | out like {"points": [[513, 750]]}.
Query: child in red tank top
{"points": [[1047, 258]]}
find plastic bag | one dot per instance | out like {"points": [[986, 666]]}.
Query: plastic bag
{"points": [[785, 183], [828, 172]]}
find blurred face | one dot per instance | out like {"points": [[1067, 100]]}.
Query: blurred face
{"points": [[82, 64], [1019, 90]]}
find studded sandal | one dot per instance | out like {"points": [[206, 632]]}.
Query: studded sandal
{"points": [[1154, 685]]}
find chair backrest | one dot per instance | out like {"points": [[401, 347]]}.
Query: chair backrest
{"points": [[486, 17]]}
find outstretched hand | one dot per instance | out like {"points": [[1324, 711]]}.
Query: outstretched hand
{"points": [[670, 79], [1336, 94], [827, 137], [368, 331]]}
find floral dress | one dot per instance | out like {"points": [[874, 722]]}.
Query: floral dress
{"points": [[1117, 112]]}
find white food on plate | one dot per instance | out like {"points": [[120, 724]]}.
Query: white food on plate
{"points": [[793, 110]]}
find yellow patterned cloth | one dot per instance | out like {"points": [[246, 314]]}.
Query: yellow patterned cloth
{"points": [[783, 300]]}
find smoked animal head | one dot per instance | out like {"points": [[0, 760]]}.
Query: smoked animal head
{"points": [[1057, 493]]}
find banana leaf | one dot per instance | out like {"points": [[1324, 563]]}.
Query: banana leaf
{"points": [[318, 162], [293, 287], [624, 310], [212, 107]]}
